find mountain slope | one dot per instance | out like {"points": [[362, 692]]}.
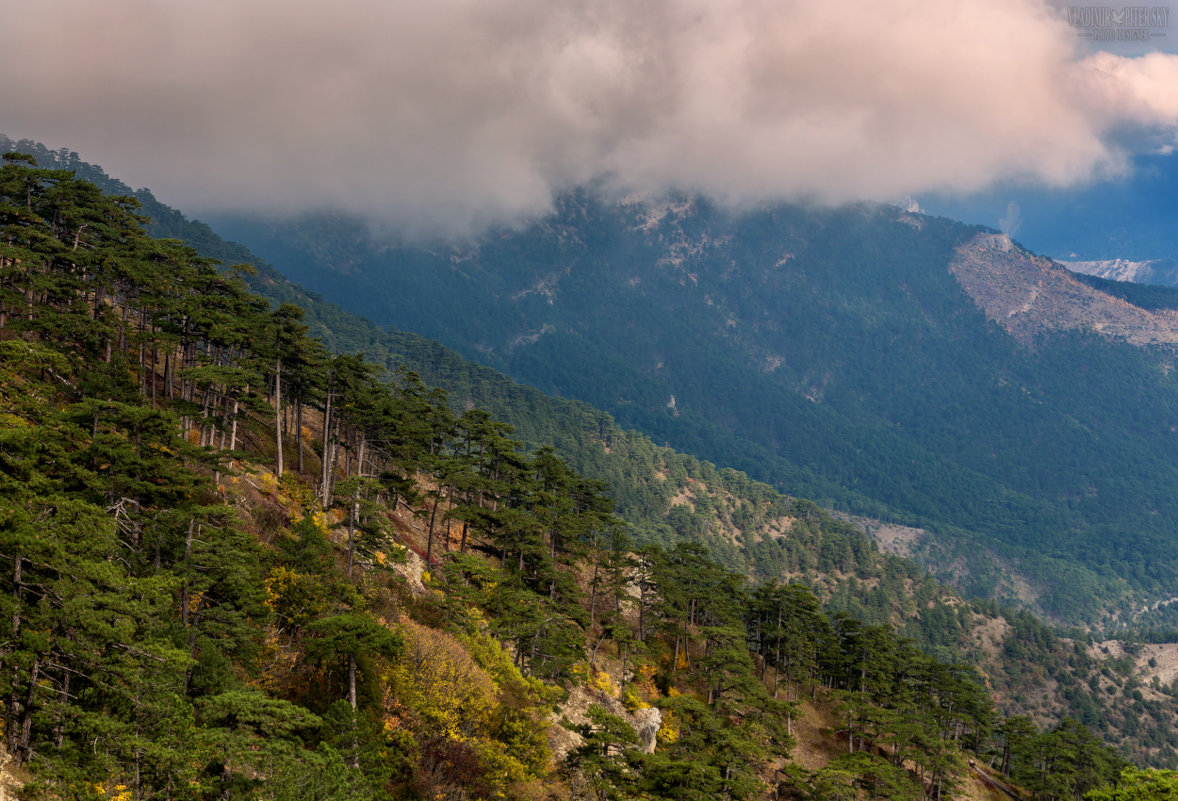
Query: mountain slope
{"points": [[664, 496], [667, 498], [181, 622], [832, 353], [1032, 297]]}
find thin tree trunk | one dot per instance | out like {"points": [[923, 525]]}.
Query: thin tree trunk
{"points": [[593, 589], [353, 512], [324, 486], [429, 540], [233, 424], [64, 693], [278, 411], [14, 698], [138, 794], [206, 434], [22, 753], [299, 430], [352, 681]]}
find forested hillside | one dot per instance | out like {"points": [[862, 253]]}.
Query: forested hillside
{"points": [[239, 566], [830, 353], [665, 497]]}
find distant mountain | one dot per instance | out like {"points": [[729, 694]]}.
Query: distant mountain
{"points": [[839, 354], [1163, 272]]}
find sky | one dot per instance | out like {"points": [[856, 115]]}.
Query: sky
{"points": [[446, 116]]}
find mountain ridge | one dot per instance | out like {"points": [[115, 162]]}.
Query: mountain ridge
{"points": [[829, 352]]}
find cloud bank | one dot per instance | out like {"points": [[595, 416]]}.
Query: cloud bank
{"points": [[448, 115]]}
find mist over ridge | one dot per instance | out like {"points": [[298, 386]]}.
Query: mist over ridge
{"points": [[452, 116]]}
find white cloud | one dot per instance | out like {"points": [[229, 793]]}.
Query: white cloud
{"points": [[1010, 222], [457, 113]]}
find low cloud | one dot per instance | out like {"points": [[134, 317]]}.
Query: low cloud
{"points": [[454, 114], [1010, 222]]}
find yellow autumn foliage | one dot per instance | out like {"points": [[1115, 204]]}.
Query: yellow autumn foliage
{"points": [[319, 518], [644, 681], [669, 729], [297, 597], [632, 700], [113, 792], [600, 680], [297, 494], [268, 483], [435, 681]]}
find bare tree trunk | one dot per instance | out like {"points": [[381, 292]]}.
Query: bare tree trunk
{"points": [[593, 589], [14, 698], [352, 681], [22, 753], [138, 794], [278, 411], [324, 485], [429, 540], [353, 512], [233, 424], [352, 701], [64, 693], [299, 430]]}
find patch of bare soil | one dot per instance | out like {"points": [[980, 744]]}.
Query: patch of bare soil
{"points": [[890, 537], [412, 571], [1109, 649], [981, 785], [990, 635], [1159, 660], [815, 730], [685, 497], [1154, 660], [12, 780], [894, 539]]}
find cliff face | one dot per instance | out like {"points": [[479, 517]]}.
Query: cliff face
{"points": [[1030, 295]]}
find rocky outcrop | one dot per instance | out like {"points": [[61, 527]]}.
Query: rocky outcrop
{"points": [[646, 722], [1031, 295]]}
